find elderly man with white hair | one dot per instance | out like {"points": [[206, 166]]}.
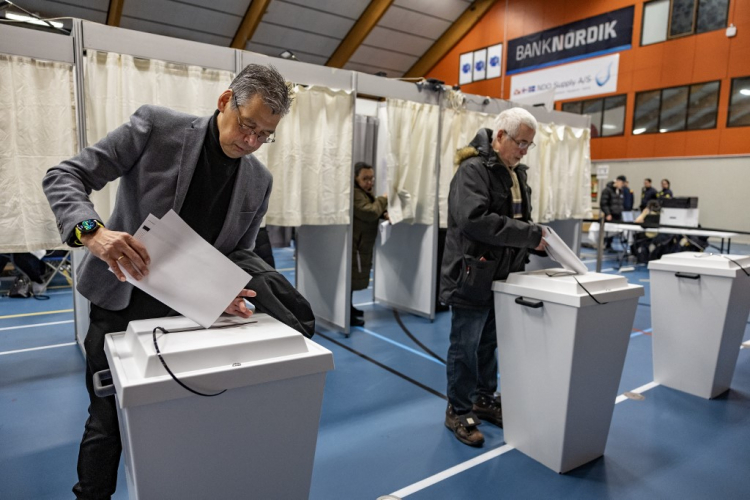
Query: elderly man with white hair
{"points": [[490, 234]]}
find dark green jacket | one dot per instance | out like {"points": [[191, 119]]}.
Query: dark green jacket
{"points": [[367, 212]]}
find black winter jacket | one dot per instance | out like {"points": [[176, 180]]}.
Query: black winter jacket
{"points": [[612, 201], [484, 242]]}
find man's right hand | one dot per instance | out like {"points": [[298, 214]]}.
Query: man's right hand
{"points": [[608, 218], [118, 249]]}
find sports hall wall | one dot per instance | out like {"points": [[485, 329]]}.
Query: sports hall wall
{"points": [[712, 164]]}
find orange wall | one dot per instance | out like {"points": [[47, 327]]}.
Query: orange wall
{"points": [[692, 59]]}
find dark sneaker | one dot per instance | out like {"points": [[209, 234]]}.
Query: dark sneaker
{"points": [[464, 427], [489, 409], [359, 313], [355, 321]]}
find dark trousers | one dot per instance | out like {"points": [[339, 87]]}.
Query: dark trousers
{"points": [[28, 263], [99, 454], [472, 364]]}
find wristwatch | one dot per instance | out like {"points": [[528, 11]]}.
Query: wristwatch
{"points": [[87, 226]]}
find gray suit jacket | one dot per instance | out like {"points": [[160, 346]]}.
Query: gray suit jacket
{"points": [[154, 155]]}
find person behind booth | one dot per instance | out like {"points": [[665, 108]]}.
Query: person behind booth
{"points": [[666, 191], [648, 193], [490, 234], [627, 197], [202, 168], [612, 204], [368, 210]]}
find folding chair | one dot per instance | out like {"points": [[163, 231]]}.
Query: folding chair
{"points": [[57, 262]]}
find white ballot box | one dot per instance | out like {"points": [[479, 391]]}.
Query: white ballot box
{"points": [[560, 355], [699, 308], [254, 441]]}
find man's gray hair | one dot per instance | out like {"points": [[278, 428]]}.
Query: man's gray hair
{"points": [[511, 120], [266, 82]]}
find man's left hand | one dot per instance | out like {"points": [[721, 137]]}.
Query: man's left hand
{"points": [[238, 307]]}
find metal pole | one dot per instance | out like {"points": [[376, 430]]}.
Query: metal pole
{"points": [[600, 248]]}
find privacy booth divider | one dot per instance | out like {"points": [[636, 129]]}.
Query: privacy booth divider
{"points": [[103, 74]]}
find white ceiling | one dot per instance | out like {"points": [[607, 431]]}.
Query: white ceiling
{"points": [[312, 29]]}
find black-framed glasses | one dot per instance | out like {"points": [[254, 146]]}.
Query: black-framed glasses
{"points": [[250, 131], [523, 144]]}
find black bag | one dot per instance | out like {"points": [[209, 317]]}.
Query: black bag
{"points": [[276, 296], [20, 289]]}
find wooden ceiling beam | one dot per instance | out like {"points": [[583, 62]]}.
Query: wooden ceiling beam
{"points": [[358, 33], [114, 13], [249, 23], [454, 34]]}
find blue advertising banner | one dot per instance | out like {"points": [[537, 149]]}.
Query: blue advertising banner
{"points": [[610, 32]]}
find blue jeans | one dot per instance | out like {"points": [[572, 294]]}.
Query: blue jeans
{"points": [[472, 363]]}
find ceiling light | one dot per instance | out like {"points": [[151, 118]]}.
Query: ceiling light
{"points": [[288, 54], [745, 91], [608, 126], [31, 20], [662, 130], [639, 131]]}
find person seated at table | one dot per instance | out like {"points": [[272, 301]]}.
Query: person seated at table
{"points": [[641, 247], [30, 265]]}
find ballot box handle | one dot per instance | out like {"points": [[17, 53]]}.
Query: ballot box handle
{"points": [[529, 303], [689, 276], [100, 389]]}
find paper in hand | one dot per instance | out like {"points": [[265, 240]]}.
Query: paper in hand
{"points": [[186, 272]]}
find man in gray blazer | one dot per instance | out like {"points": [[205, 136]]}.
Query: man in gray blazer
{"points": [[200, 167]]}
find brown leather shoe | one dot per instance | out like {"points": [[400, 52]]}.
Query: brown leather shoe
{"points": [[489, 409], [464, 427]]}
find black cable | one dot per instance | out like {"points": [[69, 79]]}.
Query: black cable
{"points": [[572, 275], [385, 367], [738, 264], [164, 363], [414, 339]]}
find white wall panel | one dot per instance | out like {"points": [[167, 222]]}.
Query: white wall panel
{"points": [[309, 19], [385, 58], [413, 22], [293, 40], [389, 39]]}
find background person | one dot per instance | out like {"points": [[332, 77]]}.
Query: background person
{"points": [[201, 168], [666, 191], [489, 236], [648, 193], [368, 210], [612, 205]]}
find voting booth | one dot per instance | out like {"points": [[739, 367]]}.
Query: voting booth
{"points": [[255, 440], [699, 309], [561, 355]]}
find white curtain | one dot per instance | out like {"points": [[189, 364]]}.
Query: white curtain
{"points": [[559, 167], [311, 160], [459, 128], [411, 151], [560, 173], [117, 85], [37, 131]]}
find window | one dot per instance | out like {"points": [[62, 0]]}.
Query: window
{"points": [[739, 103], [607, 114], [689, 107], [666, 19]]}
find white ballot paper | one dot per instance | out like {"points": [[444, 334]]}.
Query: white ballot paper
{"points": [[561, 253], [187, 273]]}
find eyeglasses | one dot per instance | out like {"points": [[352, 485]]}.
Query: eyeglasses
{"points": [[248, 130], [523, 144]]}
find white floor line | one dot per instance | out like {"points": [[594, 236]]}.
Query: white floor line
{"points": [[457, 469], [364, 304], [36, 324], [37, 348], [442, 476]]}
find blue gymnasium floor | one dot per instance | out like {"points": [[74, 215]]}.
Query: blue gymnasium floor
{"points": [[381, 428]]}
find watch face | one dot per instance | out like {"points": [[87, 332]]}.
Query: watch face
{"points": [[88, 225]]}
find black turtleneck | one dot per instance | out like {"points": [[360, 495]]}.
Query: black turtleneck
{"points": [[210, 191]]}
